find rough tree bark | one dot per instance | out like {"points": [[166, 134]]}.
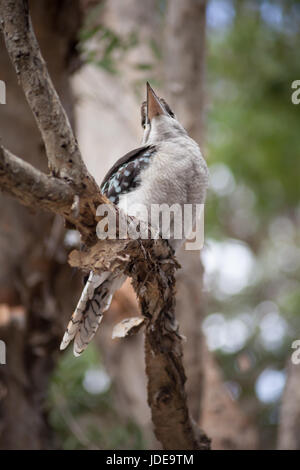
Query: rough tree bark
{"points": [[149, 263]]}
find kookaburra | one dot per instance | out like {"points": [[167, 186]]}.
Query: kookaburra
{"points": [[167, 169]]}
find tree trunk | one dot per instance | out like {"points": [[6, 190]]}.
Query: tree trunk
{"points": [[184, 60], [222, 417], [36, 285], [185, 45]]}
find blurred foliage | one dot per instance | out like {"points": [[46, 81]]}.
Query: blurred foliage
{"points": [[252, 67], [109, 50], [85, 420], [106, 48], [100, 44], [253, 143]]}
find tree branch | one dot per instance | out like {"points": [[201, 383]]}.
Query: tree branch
{"points": [[33, 188], [150, 263], [61, 147], [152, 267]]}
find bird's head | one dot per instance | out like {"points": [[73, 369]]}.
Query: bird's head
{"points": [[158, 120]]}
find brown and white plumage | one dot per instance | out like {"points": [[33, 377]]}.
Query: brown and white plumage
{"points": [[167, 169]]}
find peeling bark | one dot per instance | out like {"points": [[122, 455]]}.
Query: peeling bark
{"points": [[152, 269]]}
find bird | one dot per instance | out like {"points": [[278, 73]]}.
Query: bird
{"points": [[168, 168]]}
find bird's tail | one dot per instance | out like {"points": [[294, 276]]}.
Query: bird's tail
{"points": [[94, 301]]}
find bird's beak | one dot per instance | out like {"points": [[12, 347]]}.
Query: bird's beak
{"points": [[154, 106]]}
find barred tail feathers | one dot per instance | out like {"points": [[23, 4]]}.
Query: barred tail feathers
{"points": [[94, 301], [94, 313]]}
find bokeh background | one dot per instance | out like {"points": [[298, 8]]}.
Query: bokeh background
{"points": [[226, 67]]}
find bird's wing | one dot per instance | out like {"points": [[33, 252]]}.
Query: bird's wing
{"points": [[125, 173]]}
